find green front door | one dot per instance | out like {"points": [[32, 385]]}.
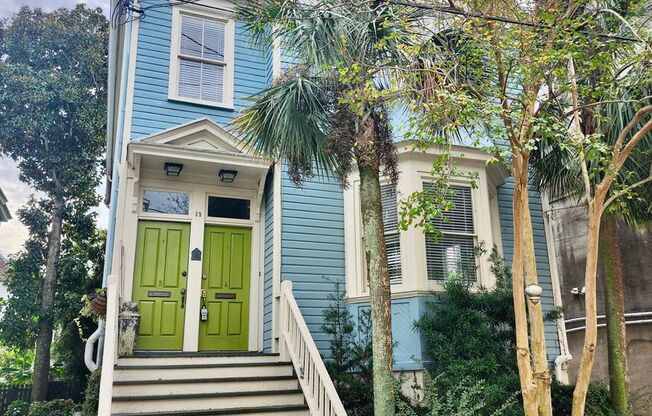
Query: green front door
{"points": [[225, 288], [160, 284]]}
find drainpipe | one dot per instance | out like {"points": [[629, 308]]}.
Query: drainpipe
{"points": [[561, 375], [98, 335]]}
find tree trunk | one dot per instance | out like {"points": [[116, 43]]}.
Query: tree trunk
{"points": [[46, 322], [591, 320], [379, 289], [612, 268], [528, 385], [535, 314]]}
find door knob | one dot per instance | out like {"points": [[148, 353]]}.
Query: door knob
{"points": [[184, 273], [183, 298]]}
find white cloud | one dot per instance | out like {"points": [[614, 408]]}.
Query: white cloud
{"points": [[9, 7]]}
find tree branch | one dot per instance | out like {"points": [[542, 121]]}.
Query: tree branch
{"points": [[626, 190]]}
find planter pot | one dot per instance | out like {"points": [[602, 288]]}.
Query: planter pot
{"points": [[128, 322], [98, 305]]}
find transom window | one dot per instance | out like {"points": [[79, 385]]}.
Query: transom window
{"points": [[390, 222], [453, 253], [166, 202], [203, 60], [234, 208]]}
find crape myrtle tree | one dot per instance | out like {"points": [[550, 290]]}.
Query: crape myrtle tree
{"points": [[523, 51], [52, 123], [494, 68], [608, 97], [329, 115]]}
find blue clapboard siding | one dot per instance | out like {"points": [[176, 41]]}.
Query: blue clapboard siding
{"points": [[408, 345], [152, 111], [268, 263], [312, 246], [505, 198]]}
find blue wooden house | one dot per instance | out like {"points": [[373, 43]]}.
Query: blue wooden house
{"points": [[229, 262]]}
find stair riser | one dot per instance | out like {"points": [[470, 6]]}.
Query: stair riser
{"points": [[197, 360], [285, 413], [199, 373], [199, 388], [235, 402]]}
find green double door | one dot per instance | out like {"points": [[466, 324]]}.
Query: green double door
{"points": [[160, 278], [225, 289], [160, 286]]}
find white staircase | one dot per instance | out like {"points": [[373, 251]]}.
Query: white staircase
{"points": [[206, 384]]}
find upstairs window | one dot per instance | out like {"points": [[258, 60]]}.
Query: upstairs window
{"points": [[202, 60], [454, 251], [390, 222]]}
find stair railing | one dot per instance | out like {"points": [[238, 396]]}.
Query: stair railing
{"points": [[296, 344], [110, 353]]}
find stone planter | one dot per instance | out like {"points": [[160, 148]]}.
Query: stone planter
{"points": [[128, 322]]}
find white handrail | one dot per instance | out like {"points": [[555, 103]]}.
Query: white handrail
{"points": [[296, 344], [110, 346]]}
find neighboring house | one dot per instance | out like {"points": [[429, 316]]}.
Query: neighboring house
{"points": [[4, 266], [5, 215], [230, 263], [569, 226]]}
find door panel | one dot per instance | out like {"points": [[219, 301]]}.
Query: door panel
{"points": [[161, 262], [225, 280]]}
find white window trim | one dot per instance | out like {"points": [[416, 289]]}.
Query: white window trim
{"points": [[415, 169], [229, 56], [475, 199]]}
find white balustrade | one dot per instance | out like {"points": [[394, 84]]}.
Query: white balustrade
{"points": [[296, 344], [110, 354]]}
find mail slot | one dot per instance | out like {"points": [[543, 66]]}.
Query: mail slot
{"points": [[225, 296], [158, 294]]}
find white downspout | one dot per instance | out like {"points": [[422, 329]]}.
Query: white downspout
{"points": [[98, 335]]}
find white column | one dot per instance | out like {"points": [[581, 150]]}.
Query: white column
{"points": [[193, 286]]}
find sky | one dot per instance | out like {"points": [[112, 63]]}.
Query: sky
{"points": [[13, 234]]}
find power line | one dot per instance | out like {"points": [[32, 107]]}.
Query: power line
{"points": [[458, 12]]}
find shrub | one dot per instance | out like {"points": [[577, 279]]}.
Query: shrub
{"points": [[17, 408], [469, 335], [350, 364], [598, 400], [92, 394], [58, 407]]}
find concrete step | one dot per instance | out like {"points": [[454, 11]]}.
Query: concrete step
{"points": [[294, 410], [199, 371], [206, 386], [144, 359], [206, 402]]}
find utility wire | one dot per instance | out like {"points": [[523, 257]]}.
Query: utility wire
{"points": [[458, 12]]}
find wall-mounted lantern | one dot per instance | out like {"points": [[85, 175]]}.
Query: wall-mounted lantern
{"points": [[227, 176], [173, 169]]}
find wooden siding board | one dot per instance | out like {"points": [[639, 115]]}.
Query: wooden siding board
{"points": [[152, 111], [268, 254], [313, 247], [505, 198]]}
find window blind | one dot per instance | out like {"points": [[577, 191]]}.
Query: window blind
{"points": [[454, 252], [390, 223], [201, 59]]}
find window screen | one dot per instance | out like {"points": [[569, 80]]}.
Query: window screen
{"points": [[390, 222], [454, 252], [201, 58]]}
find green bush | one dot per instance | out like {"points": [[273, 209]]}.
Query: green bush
{"points": [[58, 407], [469, 335], [17, 408], [598, 400], [350, 364], [92, 394]]}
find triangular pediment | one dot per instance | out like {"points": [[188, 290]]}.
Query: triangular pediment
{"points": [[202, 134]]}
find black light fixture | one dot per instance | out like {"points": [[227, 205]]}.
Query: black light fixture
{"points": [[227, 176], [173, 169]]}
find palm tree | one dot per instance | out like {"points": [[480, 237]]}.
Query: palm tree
{"points": [[328, 115]]}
